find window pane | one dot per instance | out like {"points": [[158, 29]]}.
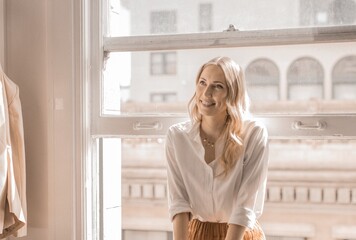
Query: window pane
{"points": [[111, 152], [141, 17], [205, 17], [144, 187], [163, 22], [303, 175], [316, 78]]}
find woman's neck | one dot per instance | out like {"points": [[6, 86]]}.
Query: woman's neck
{"points": [[212, 127]]}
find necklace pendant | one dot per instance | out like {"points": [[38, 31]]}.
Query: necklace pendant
{"points": [[206, 142]]}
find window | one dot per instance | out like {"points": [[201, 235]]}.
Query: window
{"points": [[163, 22], [344, 78], [262, 77], [327, 12], [163, 63], [163, 97], [305, 79], [205, 17], [342, 12], [133, 85]]}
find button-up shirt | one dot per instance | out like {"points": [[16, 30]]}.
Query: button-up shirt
{"points": [[198, 188]]}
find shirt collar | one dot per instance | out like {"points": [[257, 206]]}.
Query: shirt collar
{"points": [[193, 131]]}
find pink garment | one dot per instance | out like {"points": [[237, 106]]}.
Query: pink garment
{"points": [[13, 209]]}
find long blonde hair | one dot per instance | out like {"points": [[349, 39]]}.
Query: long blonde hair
{"points": [[237, 102]]}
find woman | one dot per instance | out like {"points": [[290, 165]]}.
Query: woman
{"points": [[217, 161]]}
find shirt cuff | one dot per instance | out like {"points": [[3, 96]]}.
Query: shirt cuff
{"points": [[179, 207], [243, 217]]}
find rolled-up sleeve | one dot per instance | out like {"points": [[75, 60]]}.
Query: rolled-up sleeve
{"points": [[249, 200], [178, 201]]}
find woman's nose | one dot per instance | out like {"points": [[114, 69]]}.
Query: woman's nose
{"points": [[208, 91]]}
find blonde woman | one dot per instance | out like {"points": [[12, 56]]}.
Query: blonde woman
{"points": [[217, 161]]}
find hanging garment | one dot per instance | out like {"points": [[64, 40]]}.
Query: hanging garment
{"points": [[13, 209]]}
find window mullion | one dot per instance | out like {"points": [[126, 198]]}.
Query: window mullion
{"points": [[231, 39], [320, 126]]}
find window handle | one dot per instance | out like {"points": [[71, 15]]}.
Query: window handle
{"points": [[156, 125], [319, 125]]}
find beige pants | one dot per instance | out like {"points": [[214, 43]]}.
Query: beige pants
{"points": [[217, 231]]}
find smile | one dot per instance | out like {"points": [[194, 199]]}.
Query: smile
{"points": [[207, 104]]}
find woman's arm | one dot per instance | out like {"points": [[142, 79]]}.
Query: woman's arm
{"points": [[180, 226], [235, 232]]}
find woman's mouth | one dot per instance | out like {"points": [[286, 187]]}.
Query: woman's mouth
{"points": [[207, 103]]}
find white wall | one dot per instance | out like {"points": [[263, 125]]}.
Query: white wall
{"points": [[40, 59], [2, 35]]}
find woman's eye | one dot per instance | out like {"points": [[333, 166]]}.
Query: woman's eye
{"points": [[219, 86], [202, 82]]}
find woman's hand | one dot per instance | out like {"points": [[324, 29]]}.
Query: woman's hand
{"points": [[235, 232], [180, 226]]}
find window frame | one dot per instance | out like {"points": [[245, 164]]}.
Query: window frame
{"points": [[98, 47], [280, 126]]}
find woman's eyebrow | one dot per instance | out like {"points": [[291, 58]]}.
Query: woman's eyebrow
{"points": [[218, 82]]}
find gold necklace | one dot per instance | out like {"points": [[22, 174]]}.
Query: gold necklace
{"points": [[208, 143]]}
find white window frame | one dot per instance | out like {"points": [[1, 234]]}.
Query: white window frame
{"points": [[97, 47]]}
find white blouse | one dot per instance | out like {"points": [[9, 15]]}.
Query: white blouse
{"points": [[194, 186]]}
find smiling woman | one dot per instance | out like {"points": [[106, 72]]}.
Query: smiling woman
{"points": [[217, 161]]}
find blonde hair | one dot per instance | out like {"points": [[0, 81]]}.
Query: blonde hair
{"points": [[237, 102]]}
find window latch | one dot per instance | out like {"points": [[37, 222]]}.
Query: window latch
{"points": [[231, 28], [147, 125], [319, 125], [106, 57]]}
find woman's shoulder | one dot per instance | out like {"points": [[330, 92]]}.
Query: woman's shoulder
{"points": [[181, 127], [254, 127]]}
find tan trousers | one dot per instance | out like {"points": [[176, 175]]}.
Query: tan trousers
{"points": [[217, 231]]}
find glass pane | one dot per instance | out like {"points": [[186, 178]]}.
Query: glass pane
{"points": [[111, 188], [345, 91], [141, 17], [303, 175], [144, 190], [317, 78]]}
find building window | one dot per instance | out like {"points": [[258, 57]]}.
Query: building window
{"points": [[344, 78], [314, 13], [327, 12], [262, 77], [305, 78], [342, 12], [163, 97], [163, 63], [205, 17], [163, 22]]}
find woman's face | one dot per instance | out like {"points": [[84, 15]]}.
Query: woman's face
{"points": [[211, 92]]}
